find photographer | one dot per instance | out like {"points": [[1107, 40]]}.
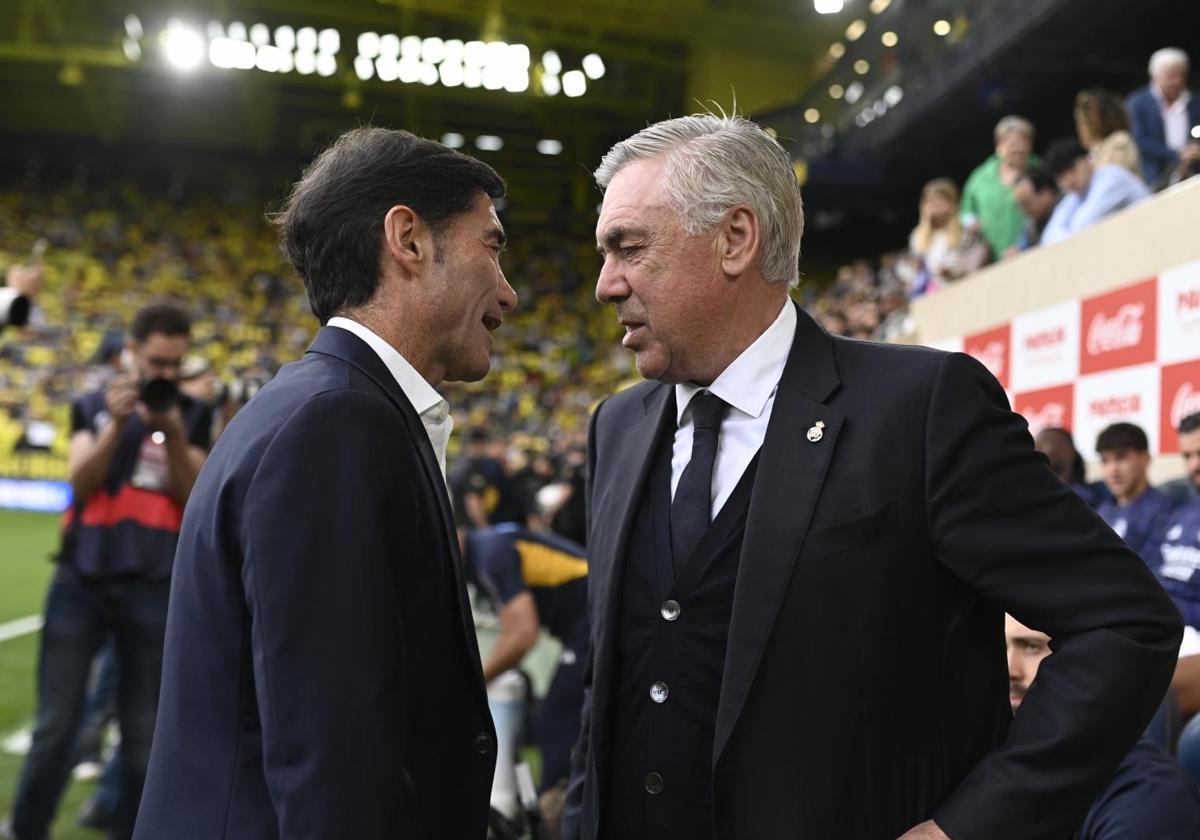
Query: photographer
{"points": [[136, 449]]}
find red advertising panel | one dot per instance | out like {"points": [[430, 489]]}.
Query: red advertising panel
{"points": [[991, 348], [1180, 398], [1047, 407], [1118, 328]]}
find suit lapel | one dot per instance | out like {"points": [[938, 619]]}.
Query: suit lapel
{"points": [[618, 493], [790, 475], [344, 345]]}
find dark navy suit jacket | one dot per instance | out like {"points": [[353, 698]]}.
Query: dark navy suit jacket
{"points": [[1147, 129], [1151, 797], [321, 675]]}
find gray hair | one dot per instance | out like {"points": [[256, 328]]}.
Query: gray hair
{"points": [[713, 163], [1014, 123], [1167, 57]]}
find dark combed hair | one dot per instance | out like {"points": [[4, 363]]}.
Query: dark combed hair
{"points": [[1078, 469], [1040, 179], [1190, 424], [165, 318], [1122, 436], [331, 224], [1062, 155]]}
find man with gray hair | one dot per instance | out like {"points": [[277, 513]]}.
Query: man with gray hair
{"points": [[779, 517], [1165, 117], [987, 199]]}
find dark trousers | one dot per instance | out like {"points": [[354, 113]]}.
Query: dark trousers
{"points": [[557, 727], [79, 616]]}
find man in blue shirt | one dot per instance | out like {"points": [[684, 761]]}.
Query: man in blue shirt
{"points": [[1090, 192], [1138, 511], [1150, 796], [1187, 487]]}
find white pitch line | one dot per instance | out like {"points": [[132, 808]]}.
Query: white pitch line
{"points": [[20, 627]]}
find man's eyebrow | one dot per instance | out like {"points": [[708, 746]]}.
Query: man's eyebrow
{"points": [[613, 238]]}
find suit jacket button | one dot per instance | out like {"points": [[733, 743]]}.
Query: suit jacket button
{"points": [[483, 743], [653, 783]]}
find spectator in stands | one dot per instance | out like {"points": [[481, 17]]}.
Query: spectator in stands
{"points": [[538, 581], [1036, 194], [987, 202], [481, 486], [1058, 446], [1187, 488], [1163, 114], [1137, 511], [1090, 191], [1149, 798], [1102, 125], [942, 249], [132, 466]]}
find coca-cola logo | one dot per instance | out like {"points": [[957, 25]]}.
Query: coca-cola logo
{"points": [[1188, 300], [1122, 331], [1126, 405], [991, 356], [1045, 338], [1050, 414], [1185, 404]]}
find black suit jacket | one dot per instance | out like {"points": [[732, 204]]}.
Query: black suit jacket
{"points": [[865, 685], [321, 676]]}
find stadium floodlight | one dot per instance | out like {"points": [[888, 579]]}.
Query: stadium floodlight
{"points": [[453, 140], [551, 63], [368, 44], [386, 68], [828, 7], [496, 55], [593, 66], [516, 80], [855, 30], [237, 31], [889, 39], [215, 30], [489, 143], [329, 41], [837, 50], [549, 147], [551, 86], [862, 67], [306, 39], [409, 69], [229, 54], [260, 34], [454, 51], [474, 53], [133, 50], [429, 74], [364, 68], [183, 45], [133, 27], [389, 45], [451, 73], [812, 116], [433, 50], [306, 63], [574, 83], [410, 47], [1196, 132], [285, 38], [941, 28], [326, 65], [893, 95], [272, 59], [878, 7], [518, 56], [472, 75], [493, 77], [836, 91], [881, 108], [854, 93]]}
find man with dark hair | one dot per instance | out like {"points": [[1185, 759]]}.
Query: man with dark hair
{"points": [[483, 492], [1090, 192], [1187, 487], [1174, 552], [136, 448], [1137, 510], [1036, 194], [322, 677], [1058, 446]]}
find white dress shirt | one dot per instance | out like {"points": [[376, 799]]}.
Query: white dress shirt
{"points": [[428, 403], [1177, 129], [748, 385]]}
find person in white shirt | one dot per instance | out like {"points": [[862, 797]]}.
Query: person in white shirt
{"points": [[1165, 117]]}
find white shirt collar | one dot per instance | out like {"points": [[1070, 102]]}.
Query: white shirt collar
{"points": [[752, 377], [419, 392], [1180, 103]]}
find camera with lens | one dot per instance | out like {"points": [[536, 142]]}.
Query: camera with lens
{"points": [[158, 394]]}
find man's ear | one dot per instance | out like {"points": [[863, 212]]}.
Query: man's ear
{"points": [[739, 240], [407, 240]]}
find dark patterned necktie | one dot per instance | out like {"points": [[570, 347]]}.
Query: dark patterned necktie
{"points": [[691, 511]]}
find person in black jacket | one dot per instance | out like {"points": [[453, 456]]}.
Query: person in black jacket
{"points": [[321, 675]]}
